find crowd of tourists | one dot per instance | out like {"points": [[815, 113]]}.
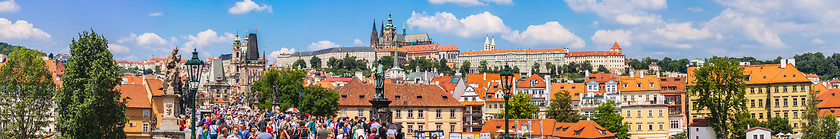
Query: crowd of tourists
{"points": [[235, 122]]}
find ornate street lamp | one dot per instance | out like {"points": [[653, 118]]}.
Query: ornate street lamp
{"points": [[194, 66], [506, 86]]}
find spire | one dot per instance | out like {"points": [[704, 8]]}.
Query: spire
{"points": [[390, 25], [493, 41], [381, 28], [396, 60], [486, 40], [403, 28], [374, 38], [236, 40]]}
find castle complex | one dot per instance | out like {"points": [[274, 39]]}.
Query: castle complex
{"points": [[389, 38]]}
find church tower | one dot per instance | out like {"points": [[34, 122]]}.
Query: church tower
{"points": [[236, 47], [493, 43], [389, 32], [374, 36], [486, 43], [615, 48]]}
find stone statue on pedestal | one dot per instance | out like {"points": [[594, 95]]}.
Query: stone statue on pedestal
{"points": [[379, 75], [380, 102], [171, 99]]}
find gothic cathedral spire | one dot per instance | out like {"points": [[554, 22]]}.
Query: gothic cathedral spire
{"points": [[374, 38]]}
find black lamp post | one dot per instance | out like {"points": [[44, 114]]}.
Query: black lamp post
{"points": [[506, 86], [194, 66]]}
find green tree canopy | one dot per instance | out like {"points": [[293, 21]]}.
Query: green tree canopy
{"points": [[606, 116], [819, 126], [26, 93], [718, 89], [315, 62], [601, 68], [283, 85], [319, 101], [482, 66], [465, 67], [535, 68], [561, 109], [88, 106], [520, 107], [299, 64]]}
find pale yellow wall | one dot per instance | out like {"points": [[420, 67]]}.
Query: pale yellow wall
{"points": [[654, 116], [135, 115], [429, 121], [761, 92]]}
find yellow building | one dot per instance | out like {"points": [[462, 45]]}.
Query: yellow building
{"points": [[644, 107], [772, 90], [417, 107], [138, 110]]}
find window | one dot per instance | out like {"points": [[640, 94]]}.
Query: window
{"points": [[452, 113], [638, 84], [785, 101], [777, 102], [650, 127], [145, 113], [628, 113], [639, 115], [651, 84], [802, 88], [420, 113], [752, 103], [761, 136], [784, 88], [650, 113], [661, 127], [399, 113], [794, 88], [795, 115], [131, 125], [777, 89], [438, 114], [420, 127], [410, 128], [639, 127], [438, 127], [752, 90], [794, 102], [675, 124], [410, 113], [786, 115], [760, 104], [145, 127], [451, 128], [625, 85], [660, 113], [760, 115], [361, 113]]}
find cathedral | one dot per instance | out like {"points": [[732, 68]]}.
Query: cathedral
{"points": [[388, 37]]}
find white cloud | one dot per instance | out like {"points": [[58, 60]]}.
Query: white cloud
{"points": [[605, 38], [695, 9], [754, 28], [275, 54], [471, 26], [682, 31], [550, 33], [471, 2], [149, 38], [248, 6], [9, 6], [205, 38], [358, 42], [322, 45], [118, 49], [628, 12], [817, 41], [21, 30], [156, 14]]}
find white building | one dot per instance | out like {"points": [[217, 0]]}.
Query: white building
{"points": [[759, 133], [700, 130], [366, 53], [525, 58]]}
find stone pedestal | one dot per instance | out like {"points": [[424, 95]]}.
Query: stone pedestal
{"points": [[381, 110], [169, 120]]}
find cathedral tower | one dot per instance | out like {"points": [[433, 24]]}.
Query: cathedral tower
{"points": [[374, 37]]}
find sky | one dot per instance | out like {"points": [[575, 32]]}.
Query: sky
{"points": [[139, 30]]}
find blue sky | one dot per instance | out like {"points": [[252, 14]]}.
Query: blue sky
{"points": [[140, 30]]}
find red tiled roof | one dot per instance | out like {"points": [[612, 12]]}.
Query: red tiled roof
{"points": [[575, 89], [633, 83], [586, 129], [444, 82], [339, 79], [830, 99], [219, 100], [158, 59], [602, 78], [615, 46], [698, 123], [514, 51], [583, 129], [754, 128], [672, 82], [156, 86], [527, 82], [136, 93], [325, 84], [448, 48], [356, 93], [766, 74], [415, 49], [594, 53], [479, 79]]}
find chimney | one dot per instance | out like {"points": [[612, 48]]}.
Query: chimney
{"points": [[587, 74], [632, 74], [792, 62], [547, 79], [657, 74], [485, 76], [783, 63], [641, 75], [616, 73], [529, 74]]}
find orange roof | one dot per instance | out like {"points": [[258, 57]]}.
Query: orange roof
{"points": [[765, 74], [356, 93], [615, 46], [494, 125], [122, 61], [415, 49], [479, 79], [480, 91], [325, 84], [156, 86], [132, 80], [594, 53], [137, 95], [830, 99], [668, 83], [527, 82], [554, 50], [602, 77], [633, 84], [575, 89], [445, 82], [811, 75], [219, 100], [819, 90], [448, 48], [158, 59], [56, 68], [754, 128], [472, 103], [835, 112], [586, 129]]}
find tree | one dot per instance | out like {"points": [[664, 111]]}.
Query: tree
{"points": [[601, 68], [465, 67], [299, 64], [315, 62], [719, 90], [515, 70], [52, 56], [333, 63], [535, 68], [561, 109], [586, 66], [280, 84], [520, 107], [778, 125], [443, 68], [388, 61], [319, 101], [349, 62], [482, 66], [606, 116], [819, 126], [572, 68], [26, 93], [550, 67], [88, 106]]}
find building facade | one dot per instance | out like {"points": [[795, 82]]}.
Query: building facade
{"points": [[772, 90], [389, 38], [673, 88], [643, 106], [247, 66], [525, 58], [416, 107], [538, 89], [599, 89]]}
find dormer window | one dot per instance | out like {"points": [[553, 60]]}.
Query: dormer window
{"points": [[625, 85], [651, 84], [361, 96], [638, 84]]}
